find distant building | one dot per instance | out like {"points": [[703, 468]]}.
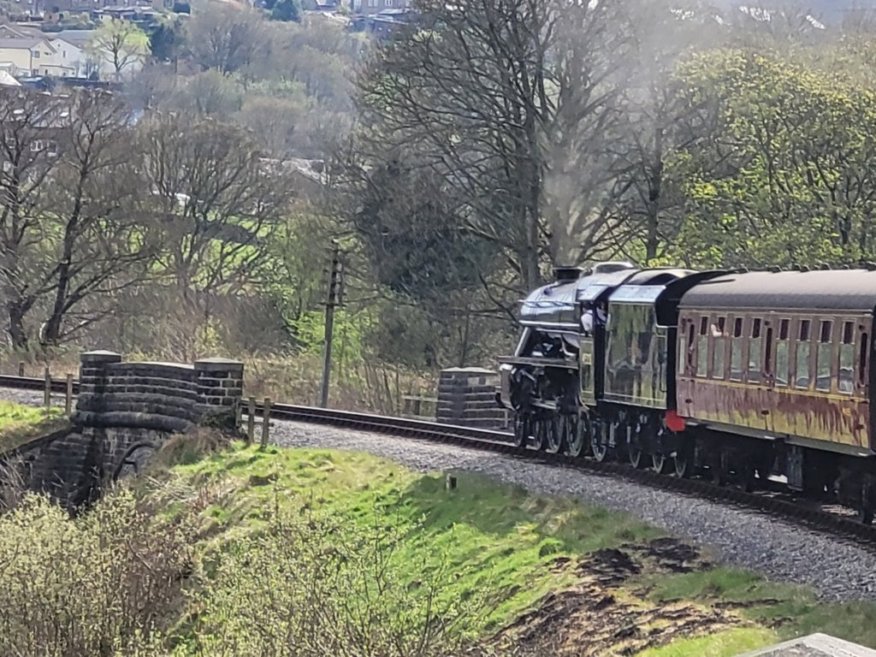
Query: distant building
{"points": [[57, 54], [383, 23], [371, 7], [34, 56]]}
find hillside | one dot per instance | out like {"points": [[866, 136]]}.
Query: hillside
{"points": [[247, 552]]}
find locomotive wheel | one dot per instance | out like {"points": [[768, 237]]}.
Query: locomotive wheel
{"points": [[522, 426], [578, 436], [683, 460], [660, 463], [635, 453], [555, 434], [599, 442], [682, 465], [539, 431]]}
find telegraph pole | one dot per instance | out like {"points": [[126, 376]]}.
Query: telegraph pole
{"points": [[336, 284]]}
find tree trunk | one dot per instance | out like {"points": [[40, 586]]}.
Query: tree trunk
{"points": [[16, 311]]}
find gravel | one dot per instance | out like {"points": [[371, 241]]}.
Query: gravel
{"points": [[836, 569]]}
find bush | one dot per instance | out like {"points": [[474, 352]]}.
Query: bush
{"points": [[100, 584]]}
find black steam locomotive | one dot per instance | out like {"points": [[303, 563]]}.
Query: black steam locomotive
{"points": [[739, 375]]}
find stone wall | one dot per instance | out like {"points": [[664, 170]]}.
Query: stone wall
{"points": [[124, 412], [467, 398]]}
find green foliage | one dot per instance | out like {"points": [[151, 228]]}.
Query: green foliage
{"points": [[349, 330], [236, 552], [121, 43], [785, 174], [481, 541]]}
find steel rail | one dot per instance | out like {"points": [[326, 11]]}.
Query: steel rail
{"points": [[817, 519]]}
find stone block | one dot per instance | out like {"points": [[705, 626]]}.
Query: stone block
{"points": [[99, 358], [216, 366], [814, 645]]}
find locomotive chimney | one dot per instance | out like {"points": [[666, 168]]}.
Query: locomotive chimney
{"points": [[567, 274]]}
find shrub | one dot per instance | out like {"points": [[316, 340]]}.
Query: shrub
{"points": [[99, 584]]}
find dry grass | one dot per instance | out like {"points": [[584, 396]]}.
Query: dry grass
{"points": [[363, 386]]}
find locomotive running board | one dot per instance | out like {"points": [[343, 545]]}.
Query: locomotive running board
{"points": [[538, 362]]}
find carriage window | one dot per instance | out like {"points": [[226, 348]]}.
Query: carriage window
{"points": [[755, 346], [862, 360], [719, 348], [690, 347], [703, 347], [804, 364], [782, 366], [824, 357], [736, 351], [846, 379]]}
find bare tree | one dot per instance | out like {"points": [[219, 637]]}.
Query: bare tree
{"points": [[513, 103], [29, 126], [98, 246], [216, 203], [227, 38]]}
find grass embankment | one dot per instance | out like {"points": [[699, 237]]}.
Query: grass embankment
{"points": [[538, 571], [19, 423]]}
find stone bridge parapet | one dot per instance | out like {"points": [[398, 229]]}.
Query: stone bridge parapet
{"points": [[125, 411]]}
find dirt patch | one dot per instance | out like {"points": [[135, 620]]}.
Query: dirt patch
{"points": [[599, 616]]}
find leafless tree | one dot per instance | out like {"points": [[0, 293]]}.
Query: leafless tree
{"points": [[227, 38], [215, 200], [514, 103], [98, 246], [29, 126]]}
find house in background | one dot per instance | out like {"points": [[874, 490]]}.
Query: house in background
{"points": [[34, 56], [65, 54], [369, 7]]}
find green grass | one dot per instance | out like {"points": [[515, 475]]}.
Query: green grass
{"points": [[493, 538], [19, 423], [729, 643], [792, 611], [499, 543]]}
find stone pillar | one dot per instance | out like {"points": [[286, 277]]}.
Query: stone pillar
{"points": [[220, 391], [467, 397], [93, 379]]}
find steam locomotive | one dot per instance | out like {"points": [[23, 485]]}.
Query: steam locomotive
{"points": [[736, 375]]}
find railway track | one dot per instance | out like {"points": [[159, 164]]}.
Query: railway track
{"points": [[774, 503]]}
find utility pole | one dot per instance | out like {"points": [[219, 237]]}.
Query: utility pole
{"points": [[336, 285]]}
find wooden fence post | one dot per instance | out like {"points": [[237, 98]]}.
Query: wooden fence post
{"points": [[266, 422], [21, 369], [68, 399], [47, 391], [250, 422]]}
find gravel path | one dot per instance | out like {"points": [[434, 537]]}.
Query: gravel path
{"points": [[835, 568]]}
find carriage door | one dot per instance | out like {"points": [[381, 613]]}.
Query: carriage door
{"points": [[769, 401]]}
